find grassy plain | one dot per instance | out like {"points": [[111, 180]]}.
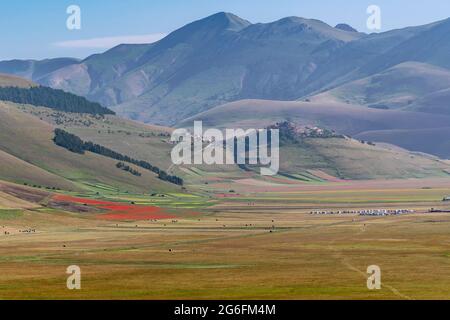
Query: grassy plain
{"points": [[250, 245]]}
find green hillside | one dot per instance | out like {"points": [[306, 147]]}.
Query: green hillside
{"points": [[352, 159], [137, 140], [27, 141], [20, 171], [305, 149]]}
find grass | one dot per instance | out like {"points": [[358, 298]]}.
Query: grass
{"points": [[31, 156], [6, 214], [313, 259], [173, 202], [228, 252]]}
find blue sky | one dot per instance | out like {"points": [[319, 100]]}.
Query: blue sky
{"points": [[37, 29]]}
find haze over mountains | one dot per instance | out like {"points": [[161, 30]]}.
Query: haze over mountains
{"points": [[224, 58]]}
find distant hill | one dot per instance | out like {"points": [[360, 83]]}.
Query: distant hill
{"points": [[410, 85], [345, 27], [353, 159], [434, 102], [431, 45], [13, 81], [305, 149], [352, 120], [34, 69], [429, 140], [29, 156]]}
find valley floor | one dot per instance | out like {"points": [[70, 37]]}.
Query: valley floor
{"points": [[261, 245]]}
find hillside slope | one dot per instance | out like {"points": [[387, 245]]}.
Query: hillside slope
{"points": [[435, 102], [352, 159], [34, 69], [430, 140], [26, 143], [17, 170], [401, 86], [352, 120], [7, 80], [137, 140], [431, 45], [342, 158]]}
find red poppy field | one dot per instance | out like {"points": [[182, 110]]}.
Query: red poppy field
{"points": [[117, 210]]}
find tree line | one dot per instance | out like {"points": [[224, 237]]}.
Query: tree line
{"points": [[53, 99], [124, 167], [74, 144]]}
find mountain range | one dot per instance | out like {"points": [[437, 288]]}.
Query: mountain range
{"points": [[224, 59]]}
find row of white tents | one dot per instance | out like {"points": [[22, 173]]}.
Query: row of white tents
{"points": [[366, 212]]}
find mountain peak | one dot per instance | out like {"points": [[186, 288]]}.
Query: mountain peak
{"points": [[345, 27], [299, 20], [203, 30], [313, 29], [226, 20]]}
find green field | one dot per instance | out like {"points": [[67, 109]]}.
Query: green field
{"points": [[251, 246]]}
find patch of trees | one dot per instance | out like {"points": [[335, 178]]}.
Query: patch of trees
{"points": [[40, 187], [69, 141], [370, 143], [379, 106], [73, 143], [124, 167], [53, 99]]}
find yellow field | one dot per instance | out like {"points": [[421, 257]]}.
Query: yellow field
{"points": [[234, 250]]}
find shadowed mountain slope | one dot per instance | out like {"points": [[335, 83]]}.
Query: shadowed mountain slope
{"points": [[409, 85], [34, 69], [353, 120]]}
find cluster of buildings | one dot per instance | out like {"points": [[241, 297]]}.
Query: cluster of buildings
{"points": [[367, 212]]}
